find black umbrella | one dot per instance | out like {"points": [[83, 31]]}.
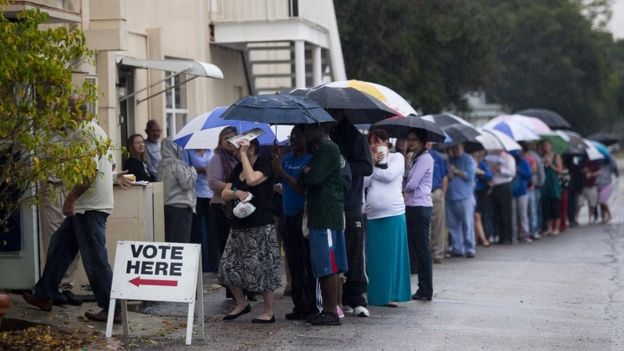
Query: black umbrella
{"points": [[446, 119], [277, 109], [605, 138], [461, 133], [358, 107], [551, 118], [399, 126]]}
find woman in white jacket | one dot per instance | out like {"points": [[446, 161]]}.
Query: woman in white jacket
{"points": [[387, 257]]}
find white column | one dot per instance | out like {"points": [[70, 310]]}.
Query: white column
{"points": [[300, 80], [317, 76]]}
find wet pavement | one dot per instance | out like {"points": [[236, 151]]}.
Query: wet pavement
{"points": [[559, 293]]}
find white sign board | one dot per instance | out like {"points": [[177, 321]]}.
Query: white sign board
{"points": [[153, 271]]}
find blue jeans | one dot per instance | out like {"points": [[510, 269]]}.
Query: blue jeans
{"points": [[460, 222], [533, 212], [84, 233]]}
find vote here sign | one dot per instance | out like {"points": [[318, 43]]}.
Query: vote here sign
{"points": [[155, 271]]}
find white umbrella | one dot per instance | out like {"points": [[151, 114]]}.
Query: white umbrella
{"points": [[534, 124], [515, 130], [592, 151], [506, 143]]}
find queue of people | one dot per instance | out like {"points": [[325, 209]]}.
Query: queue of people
{"points": [[357, 218]]}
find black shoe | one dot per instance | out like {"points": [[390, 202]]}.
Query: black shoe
{"points": [[60, 300], [71, 298], [231, 317], [311, 317], [263, 321], [298, 316], [326, 318], [422, 296]]}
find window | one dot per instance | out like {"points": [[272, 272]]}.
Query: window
{"points": [[92, 106], [176, 106]]}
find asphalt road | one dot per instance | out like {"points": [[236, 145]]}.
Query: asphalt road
{"points": [[559, 293]]}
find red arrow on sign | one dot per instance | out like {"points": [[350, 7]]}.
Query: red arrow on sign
{"points": [[138, 282]]}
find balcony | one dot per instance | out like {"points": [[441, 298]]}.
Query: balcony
{"points": [[60, 11], [245, 21]]}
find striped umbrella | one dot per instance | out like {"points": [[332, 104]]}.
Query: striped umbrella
{"points": [[534, 124]]}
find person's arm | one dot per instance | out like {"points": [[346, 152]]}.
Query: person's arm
{"points": [[361, 161], [487, 175], [417, 173], [322, 164], [525, 170], [185, 176], [558, 166], [279, 170], [444, 184], [229, 194], [252, 177], [467, 172], [69, 205], [215, 175], [396, 168]]}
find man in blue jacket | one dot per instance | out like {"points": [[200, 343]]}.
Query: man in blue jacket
{"points": [[520, 204]]}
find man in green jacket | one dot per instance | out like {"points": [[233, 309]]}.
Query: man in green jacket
{"points": [[324, 194]]}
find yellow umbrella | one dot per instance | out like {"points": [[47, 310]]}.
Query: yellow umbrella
{"points": [[380, 92]]}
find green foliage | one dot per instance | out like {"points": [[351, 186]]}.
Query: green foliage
{"points": [[40, 110], [430, 52], [524, 53], [550, 56]]}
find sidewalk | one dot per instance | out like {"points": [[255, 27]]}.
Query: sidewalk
{"points": [[154, 322]]}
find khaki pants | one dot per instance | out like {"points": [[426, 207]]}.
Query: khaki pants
{"points": [[439, 232], [50, 218]]}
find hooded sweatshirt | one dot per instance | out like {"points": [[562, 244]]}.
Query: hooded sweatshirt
{"points": [[177, 176]]}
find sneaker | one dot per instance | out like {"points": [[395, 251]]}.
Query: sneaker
{"points": [[346, 309], [536, 236], [526, 240], [470, 255], [340, 312], [326, 318], [361, 311]]}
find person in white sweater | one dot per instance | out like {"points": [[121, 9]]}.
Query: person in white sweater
{"points": [[387, 257]]}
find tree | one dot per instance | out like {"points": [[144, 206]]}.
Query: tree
{"points": [[550, 56], [41, 111], [430, 52]]}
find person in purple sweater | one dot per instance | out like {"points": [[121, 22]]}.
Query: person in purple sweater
{"points": [[417, 190]]}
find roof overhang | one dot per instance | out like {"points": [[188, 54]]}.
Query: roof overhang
{"points": [[229, 33], [197, 68], [177, 67]]}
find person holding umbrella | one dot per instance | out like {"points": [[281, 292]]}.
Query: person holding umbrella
{"points": [[356, 152], [322, 179], [417, 190], [297, 247], [387, 256]]}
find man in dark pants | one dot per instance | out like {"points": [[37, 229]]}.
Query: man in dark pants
{"points": [[356, 152], [503, 168], [83, 230], [297, 247]]}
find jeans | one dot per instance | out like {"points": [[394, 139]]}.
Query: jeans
{"points": [[520, 218], [354, 290], [419, 229], [460, 221], [178, 222], [303, 284], [84, 233], [533, 212], [199, 232]]}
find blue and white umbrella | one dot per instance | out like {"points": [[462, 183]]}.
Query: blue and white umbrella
{"points": [[515, 130], [202, 132]]}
